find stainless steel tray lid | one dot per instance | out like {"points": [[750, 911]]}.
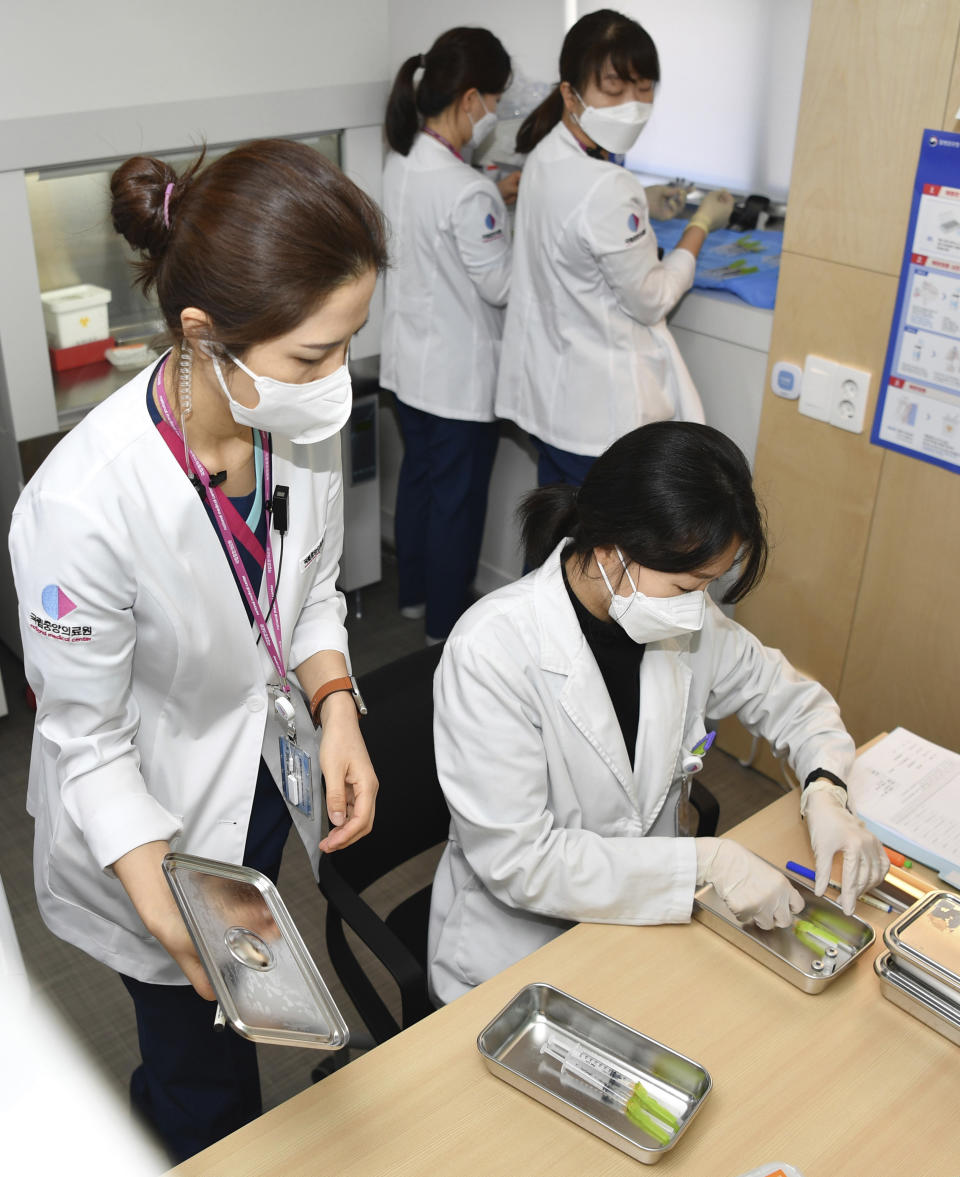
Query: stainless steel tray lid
{"points": [[927, 936], [267, 984]]}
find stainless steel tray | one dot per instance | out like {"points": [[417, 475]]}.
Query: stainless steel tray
{"points": [[925, 942], [906, 992], [266, 982], [512, 1048], [779, 948]]}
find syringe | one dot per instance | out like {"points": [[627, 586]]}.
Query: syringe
{"points": [[587, 1070]]}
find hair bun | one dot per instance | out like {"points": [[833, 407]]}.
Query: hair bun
{"points": [[141, 195]]}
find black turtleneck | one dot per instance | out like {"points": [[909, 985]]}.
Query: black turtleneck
{"points": [[618, 656]]}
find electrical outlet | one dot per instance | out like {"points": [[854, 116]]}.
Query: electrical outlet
{"points": [[834, 393]]}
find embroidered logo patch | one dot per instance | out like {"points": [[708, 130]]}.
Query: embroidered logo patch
{"points": [[636, 228], [56, 603], [493, 229], [312, 555]]}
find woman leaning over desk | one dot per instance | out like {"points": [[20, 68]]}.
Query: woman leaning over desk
{"points": [[177, 617], [569, 706], [443, 314], [587, 355]]}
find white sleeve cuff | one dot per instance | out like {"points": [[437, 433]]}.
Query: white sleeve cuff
{"points": [[823, 786]]}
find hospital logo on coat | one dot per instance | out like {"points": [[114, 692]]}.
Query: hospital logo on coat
{"points": [[57, 605], [493, 229], [636, 228]]}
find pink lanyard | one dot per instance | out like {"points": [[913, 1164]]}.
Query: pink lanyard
{"points": [[224, 510], [446, 142]]}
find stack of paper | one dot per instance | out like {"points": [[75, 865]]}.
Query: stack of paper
{"points": [[907, 791]]}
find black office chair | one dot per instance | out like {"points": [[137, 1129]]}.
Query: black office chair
{"points": [[704, 802], [411, 817]]}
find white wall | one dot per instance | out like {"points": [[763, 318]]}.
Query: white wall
{"points": [[531, 30], [731, 74], [58, 57]]}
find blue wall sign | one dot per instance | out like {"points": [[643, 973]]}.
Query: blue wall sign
{"points": [[918, 410]]}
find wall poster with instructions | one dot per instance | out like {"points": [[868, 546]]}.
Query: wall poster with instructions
{"points": [[918, 411]]}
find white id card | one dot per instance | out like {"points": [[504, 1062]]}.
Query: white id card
{"points": [[297, 777]]}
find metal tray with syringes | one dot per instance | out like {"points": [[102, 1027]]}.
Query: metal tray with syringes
{"points": [[628, 1089], [822, 942]]}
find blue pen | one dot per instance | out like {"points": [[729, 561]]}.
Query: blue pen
{"points": [[871, 900]]}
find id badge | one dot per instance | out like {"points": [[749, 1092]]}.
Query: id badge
{"points": [[296, 775]]}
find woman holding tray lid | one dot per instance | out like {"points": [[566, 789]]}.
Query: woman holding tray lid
{"points": [[443, 313], [175, 559], [587, 355], [571, 708]]}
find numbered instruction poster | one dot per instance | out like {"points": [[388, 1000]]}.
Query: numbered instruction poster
{"points": [[918, 412]]}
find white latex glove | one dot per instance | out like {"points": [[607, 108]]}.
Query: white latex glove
{"points": [[714, 212], [833, 829], [750, 887], [665, 201]]}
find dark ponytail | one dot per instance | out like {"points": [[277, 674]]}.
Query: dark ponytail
{"points": [[597, 39], [459, 60], [540, 122], [672, 495], [546, 516], [401, 122]]}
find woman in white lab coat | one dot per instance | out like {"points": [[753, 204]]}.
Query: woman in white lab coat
{"points": [[587, 355], [571, 708], [175, 560], [443, 314]]}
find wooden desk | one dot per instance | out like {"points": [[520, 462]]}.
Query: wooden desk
{"points": [[838, 1083]]}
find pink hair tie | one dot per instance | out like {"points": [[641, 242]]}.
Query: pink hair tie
{"points": [[166, 205]]}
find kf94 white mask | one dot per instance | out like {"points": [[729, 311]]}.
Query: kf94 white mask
{"points": [[304, 413], [614, 128], [482, 127], [651, 619]]}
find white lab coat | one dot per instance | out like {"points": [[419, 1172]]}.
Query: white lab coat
{"points": [[448, 282], [153, 728], [549, 823], [586, 355]]}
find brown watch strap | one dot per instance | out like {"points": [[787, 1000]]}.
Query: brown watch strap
{"points": [[328, 688]]}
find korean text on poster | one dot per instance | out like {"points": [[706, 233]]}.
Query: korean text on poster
{"points": [[918, 411]]}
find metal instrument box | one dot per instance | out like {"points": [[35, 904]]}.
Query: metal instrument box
{"points": [[512, 1044], [780, 949], [266, 982], [920, 972]]}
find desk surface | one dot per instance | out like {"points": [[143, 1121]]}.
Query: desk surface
{"points": [[837, 1083]]}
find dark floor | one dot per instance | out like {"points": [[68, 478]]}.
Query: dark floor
{"points": [[90, 995]]}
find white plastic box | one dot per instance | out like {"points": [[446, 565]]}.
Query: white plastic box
{"points": [[75, 315]]}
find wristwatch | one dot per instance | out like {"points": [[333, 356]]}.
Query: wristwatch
{"points": [[346, 683]]}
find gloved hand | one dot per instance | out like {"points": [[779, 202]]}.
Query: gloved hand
{"points": [[833, 829], [750, 887], [714, 211], [665, 201]]}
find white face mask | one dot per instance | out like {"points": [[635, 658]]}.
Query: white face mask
{"points": [[482, 127], [614, 128], [304, 413], [651, 619]]}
